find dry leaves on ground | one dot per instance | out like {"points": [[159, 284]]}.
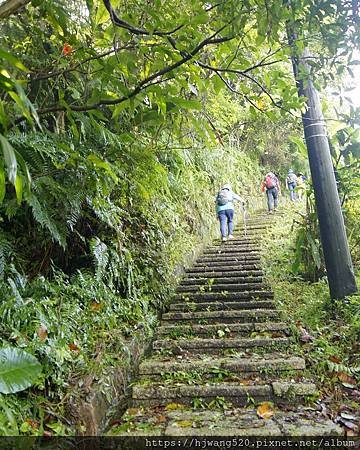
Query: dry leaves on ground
{"points": [[265, 410]]}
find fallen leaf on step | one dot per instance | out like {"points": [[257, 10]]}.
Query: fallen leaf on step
{"points": [[133, 411], [184, 423], [161, 418], [265, 411], [245, 382], [174, 406], [345, 378], [335, 359]]}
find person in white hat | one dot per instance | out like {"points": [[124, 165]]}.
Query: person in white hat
{"points": [[291, 183], [225, 210]]}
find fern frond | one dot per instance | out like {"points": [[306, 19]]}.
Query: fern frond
{"points": [[44, 219]]}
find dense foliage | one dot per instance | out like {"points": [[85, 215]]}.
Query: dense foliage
{"points": [[117, 127]]}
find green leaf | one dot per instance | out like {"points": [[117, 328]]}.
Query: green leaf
{"points": [[119, 108], [2, 184], [300, 144], [185, 104], [314, 250], [18, 370], [18, 188], [12, 60], [101, 14], [103, 165], [9, 158]]}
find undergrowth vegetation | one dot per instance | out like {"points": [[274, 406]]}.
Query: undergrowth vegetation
{"points": [[92, 254], [328, 330]]}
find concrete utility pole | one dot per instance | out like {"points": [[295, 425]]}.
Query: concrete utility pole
{"points": [[334, 241]]}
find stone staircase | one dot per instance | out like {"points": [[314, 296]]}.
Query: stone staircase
{"points": [[221, 351]]}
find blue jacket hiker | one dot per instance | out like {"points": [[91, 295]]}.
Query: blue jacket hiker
{"points": [[291, 183], [225, 210]]}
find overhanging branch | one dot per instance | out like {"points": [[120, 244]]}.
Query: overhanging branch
{"points": [[11, 6], [131, 28], [155, 78]]}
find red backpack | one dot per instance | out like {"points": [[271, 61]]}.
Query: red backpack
{"points": [[270, 182]]}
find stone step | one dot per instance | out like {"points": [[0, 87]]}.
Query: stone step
{"points": [[224, 262], [234, 393], [214, 306], [221, 317], [220, 426], [214, 346], [230, 271], [243, 256], [271, 363], [225, 329], [234, 254], [238, 287], [212, 280], [223, 296], [231, 249], [230, 266], [239, 240]]}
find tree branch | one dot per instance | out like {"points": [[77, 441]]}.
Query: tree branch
{"points": [[244, 74], [155, 78], [128, 26], [11, 6], [45, 76]]}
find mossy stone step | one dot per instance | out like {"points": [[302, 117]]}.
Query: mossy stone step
{"points": [[214, 306], [255, 315], [139, 425], [232, 271], [244, 240], [238, 287], [209, 281], [234, 393], [231, 249], [255, 364], [222, 267], [224, 329], [223, 296], [230, 257], [210, 345]]}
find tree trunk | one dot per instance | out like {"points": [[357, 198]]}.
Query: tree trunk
{"points": [[332, 228], [11, 6]]}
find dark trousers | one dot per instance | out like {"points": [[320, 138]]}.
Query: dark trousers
{"points": [[272, 198], [226, 222]]}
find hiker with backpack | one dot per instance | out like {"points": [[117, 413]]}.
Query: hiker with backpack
{"points": [[300, 185], [291, 183], [225, 210], [271, 186]]}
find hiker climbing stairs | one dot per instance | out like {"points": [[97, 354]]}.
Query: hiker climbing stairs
{"points": [[220, 352]]}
